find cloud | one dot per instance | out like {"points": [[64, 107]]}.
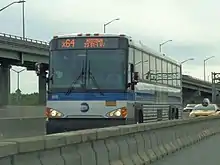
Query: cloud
{"points": [[192, 25]]}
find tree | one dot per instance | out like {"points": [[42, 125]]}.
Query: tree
{"points": [[24, 99]]}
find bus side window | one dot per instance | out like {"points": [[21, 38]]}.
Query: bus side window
{"points": [[130, 61], [129, 72]]}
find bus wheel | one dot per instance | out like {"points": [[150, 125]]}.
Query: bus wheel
{"points": [[140, 118], [177, 113]]}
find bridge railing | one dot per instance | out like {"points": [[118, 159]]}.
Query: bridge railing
{"points": [[23, 39], [198, 79]]}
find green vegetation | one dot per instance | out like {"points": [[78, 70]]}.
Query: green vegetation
{"points": [[23, 99]]}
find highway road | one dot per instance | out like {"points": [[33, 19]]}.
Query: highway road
{"points": [[206, 152]]}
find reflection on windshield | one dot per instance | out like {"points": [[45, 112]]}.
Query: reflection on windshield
{"points": [[106, 66], [208, 108], [67, 67]]}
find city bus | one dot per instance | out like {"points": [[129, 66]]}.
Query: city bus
{"points": [[99, 80]]}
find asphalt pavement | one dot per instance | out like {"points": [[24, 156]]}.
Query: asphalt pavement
{"points": [[206, 152]]}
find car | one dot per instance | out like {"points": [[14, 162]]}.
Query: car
{"points": [[189, 107], [205, 110]]}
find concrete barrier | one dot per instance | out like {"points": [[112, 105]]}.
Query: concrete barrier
{"points": [[22, 127], [185, 115], [130, 144], [22, 111]]}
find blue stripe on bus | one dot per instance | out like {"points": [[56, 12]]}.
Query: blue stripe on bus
{"points": [[94, 96]]}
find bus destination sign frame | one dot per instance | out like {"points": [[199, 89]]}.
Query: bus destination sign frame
{"points": [[88, 43]]}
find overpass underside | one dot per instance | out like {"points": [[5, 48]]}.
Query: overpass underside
{"points": [[5, 85], [194, 96], [191, 96]]}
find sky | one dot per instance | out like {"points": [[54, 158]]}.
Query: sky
{"points": [[193, 27]]}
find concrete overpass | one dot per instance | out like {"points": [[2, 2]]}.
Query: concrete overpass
{"points": [[22, 52], [196, 84], [15, 50], [195, 89]]}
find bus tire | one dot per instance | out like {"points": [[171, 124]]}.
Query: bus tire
{"points": [[177, 113], [139, 116]]}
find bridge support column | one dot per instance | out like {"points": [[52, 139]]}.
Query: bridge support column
{"points": [[191, 97], [4, 84], [42, 89]]}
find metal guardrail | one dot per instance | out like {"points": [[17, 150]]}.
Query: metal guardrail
{"points": [[23, 39]]}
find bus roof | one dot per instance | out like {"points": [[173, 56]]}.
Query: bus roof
{"points": [[132, 43], [90, 35]]}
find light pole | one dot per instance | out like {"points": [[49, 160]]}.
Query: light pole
{"points": [[204, 63], [23, 19], [181, 75], [18, 82], [11, 4], [181, 64], [116, 19], [160, 45], [189, 59]]}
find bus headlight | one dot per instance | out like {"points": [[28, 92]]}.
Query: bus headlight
{"points": [[50, 113], [121, 112]]}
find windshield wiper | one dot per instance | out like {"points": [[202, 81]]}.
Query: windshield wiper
{"points": [[72, 87], [93, 79]]}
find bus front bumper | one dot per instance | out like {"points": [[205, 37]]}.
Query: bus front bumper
{"points": [[58, 125]]}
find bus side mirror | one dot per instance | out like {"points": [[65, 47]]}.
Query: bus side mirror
{"points": [[136, 77], [38, 68], [131, 68]]}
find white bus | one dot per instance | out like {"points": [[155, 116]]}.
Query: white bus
{"points": [[105, 80]]}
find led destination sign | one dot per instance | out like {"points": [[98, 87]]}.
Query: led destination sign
{"points": [[87, 43]]}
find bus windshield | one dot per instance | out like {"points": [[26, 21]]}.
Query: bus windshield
{"points": [[105, 69]]}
